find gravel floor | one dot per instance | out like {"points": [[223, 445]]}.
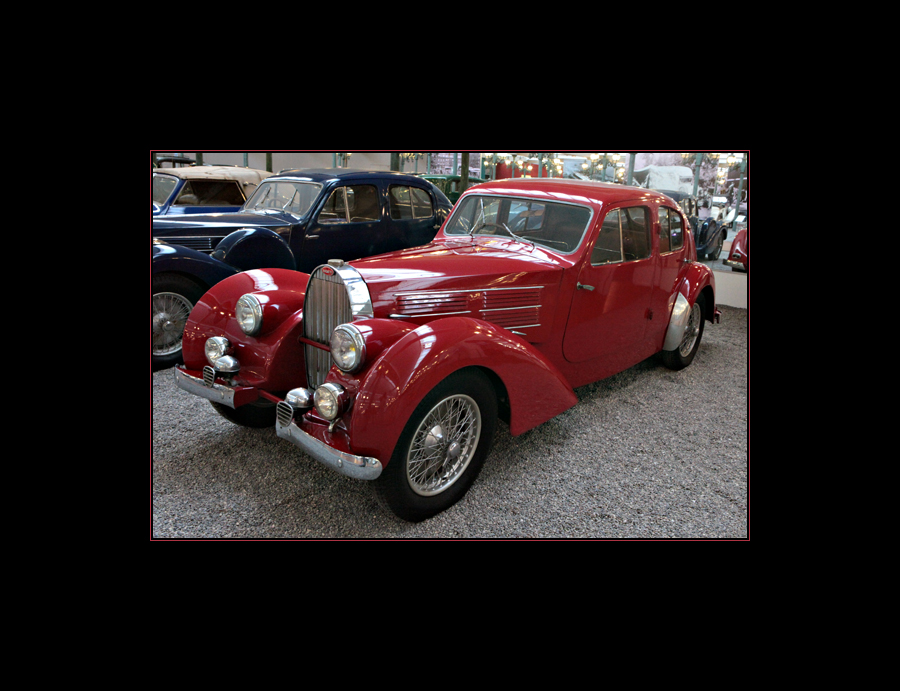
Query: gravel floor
{"points": [[646, 454]]}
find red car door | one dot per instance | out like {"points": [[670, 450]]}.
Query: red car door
{"points": [[610, 309], [673, 253]]}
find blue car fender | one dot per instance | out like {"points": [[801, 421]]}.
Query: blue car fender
{"points": [[255, 248], [187, 262]]}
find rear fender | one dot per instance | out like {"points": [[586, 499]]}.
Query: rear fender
{"points": [[696, 280], [402, 375]]}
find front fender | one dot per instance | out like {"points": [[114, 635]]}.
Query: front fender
{"points": [[273, 360], [182, 260], [403, 374], [254, 248]]}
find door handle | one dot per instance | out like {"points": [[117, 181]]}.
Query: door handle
{"points": [[582, 286]]}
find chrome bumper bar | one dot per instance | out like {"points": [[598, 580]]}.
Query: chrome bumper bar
{"points": [[358, 467], [214, 392]]}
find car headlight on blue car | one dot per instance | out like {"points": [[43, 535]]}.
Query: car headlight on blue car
{"points": [[249, 314], [348, 348]]}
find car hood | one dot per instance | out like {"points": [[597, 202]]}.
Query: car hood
{"points": [[202, 224], [502, 281]]}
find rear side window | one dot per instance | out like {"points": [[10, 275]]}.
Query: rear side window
{"points": [[409, 203], [351, 204], [624, 236], [671, 230]]}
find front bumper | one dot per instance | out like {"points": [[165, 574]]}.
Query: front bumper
{"points": [[351, 465], [358, 467], [735, 264]]}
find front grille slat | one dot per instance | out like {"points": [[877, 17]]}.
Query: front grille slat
{"points": [[284, 412], [327, 305]]}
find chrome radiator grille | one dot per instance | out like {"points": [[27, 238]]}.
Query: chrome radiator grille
{"points": [[326, 305]]}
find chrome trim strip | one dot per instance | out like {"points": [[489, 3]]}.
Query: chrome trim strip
{"points": [[357, 290], [216, 392], [470, 290], [357, 467], [427, 314], [504, 309]]}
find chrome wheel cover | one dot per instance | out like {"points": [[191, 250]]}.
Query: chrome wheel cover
{"points": [[443, 445], [691, 331], [168, 315]]}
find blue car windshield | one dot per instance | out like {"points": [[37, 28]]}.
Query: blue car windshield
{"points": [[295, 196]]}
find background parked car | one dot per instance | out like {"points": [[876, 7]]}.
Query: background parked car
{"points": [[709, 233], [295, 220], [203, 189], [739, 255]]}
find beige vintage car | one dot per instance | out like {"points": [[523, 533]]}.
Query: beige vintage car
{"points": [[203, 189]]}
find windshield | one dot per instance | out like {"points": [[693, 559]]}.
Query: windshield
{"points": [[284, 195], [162, 187], [559, 227]]}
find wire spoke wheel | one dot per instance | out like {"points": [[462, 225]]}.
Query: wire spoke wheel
{"points": [[443, 445], [168, 315]]}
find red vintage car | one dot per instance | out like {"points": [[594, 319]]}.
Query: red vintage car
{"points": [[739, 255], [396, 368]]}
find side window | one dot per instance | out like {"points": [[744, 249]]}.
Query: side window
{"points": [[421, 203], [635, 233], [351, 204], [624, 236], [671, 230], [664, 245], [608, 247], [409, 203], [676, 230]]}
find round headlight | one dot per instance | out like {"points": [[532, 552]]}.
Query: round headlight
{"points": [[348, 347], [249, 314], [216, 347], [328, 400]]}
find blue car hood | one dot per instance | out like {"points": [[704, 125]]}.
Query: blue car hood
{"points": [[194, 224]]}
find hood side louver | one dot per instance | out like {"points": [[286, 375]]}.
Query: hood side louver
{"points": [[432, 304], [513, 308]]}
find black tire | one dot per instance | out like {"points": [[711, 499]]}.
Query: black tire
{"points": [[717, 247], [432, 468], [259, 414], [683, 355], [172, 297]]}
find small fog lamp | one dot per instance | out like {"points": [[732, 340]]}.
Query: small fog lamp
{"points": [[216, 347], [328, 400]]}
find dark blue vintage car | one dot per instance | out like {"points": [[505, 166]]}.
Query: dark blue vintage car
{"points": [[709, 234], [297, 220], [202, 189]]}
